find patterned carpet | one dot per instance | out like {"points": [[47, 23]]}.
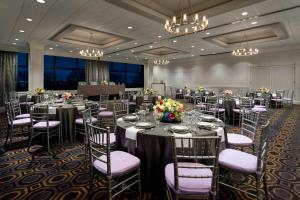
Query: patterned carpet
{"points": [[66, 176]]}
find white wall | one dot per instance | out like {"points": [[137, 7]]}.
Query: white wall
{"points": [[224, 70], [36, 67]]}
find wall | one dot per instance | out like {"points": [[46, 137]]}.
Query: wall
{"points": [[224, 70]]}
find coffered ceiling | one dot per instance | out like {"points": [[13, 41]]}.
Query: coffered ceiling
{"points": [[66, 25]]}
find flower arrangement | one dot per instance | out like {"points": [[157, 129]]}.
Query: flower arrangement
{"points": [[227, 93], [169, 110], [200, 88], [68, 96], [104, 82], [39, 90], [263, 90], [149, 91]]}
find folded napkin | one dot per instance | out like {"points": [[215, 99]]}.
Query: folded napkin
{"points": [[80, 107], [185, 142], [120, 119], [220, 132], [52, 110], [131, 132]]}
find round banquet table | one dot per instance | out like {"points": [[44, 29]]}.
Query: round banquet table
{"points": [[154, 149]]}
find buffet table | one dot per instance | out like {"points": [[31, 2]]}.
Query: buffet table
{"points": [[95, 90], [154, 148]]}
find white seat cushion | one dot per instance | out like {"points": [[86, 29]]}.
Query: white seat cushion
{"points": [[80, 120], [239, 139], [22, 116], [21, 122], [41, 125]]}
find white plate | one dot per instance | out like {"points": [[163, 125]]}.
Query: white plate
{"points": [[209, 118], [206, 125], [130, 118], [144, 125], [179, 128]]}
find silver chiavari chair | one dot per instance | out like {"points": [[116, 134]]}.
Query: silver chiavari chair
{"points": [[119, 169], [252, 165], [120, 110], [245, 106], [278, 99], [246, 136], [105, 116], [220, 111], [194, 173], [208, 108], [289, 99], [103, 102], [16, 110]]}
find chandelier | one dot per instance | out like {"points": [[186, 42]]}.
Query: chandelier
{"points": [[246, 50], [185, 23], [161, 62], [91, 51]]}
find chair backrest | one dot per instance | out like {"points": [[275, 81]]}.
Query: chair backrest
{"points": [[16, 108], [263, 147], [208, 108], [197, 151], [39, 113], [99, 145], [120, 109], [9, 112], [94, 108], [246, 102], [266, 101], [87, 119], [279, 94], [249, 124], [212, 99], [103, 100]]}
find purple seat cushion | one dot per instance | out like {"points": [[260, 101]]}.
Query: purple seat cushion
{"points": [[239, 139], [200, 106], [238, 161], [131, 103], [276, 99], [218, 109], [259, 109], [236, 110], [121, 163], [26, 103], [102, 109], [259, 106], [22, 116], [80, 120], [112, 139], [106, 114], [21, 122], [52, 124], [189, 185]]}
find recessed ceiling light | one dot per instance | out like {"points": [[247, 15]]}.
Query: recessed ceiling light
{"points": [[71, 51], [51, 48], [135, 43], [135, 56], [132, 50], [41, 1], [192, 55], [244, 13], [29, 19], [193, 46], [174, 41], [129, 27], [21, 31], [202, 49], [16, 39], [207, 33], [126, 58], [253, 23], [146, 58], [151, 46], [117, 54], [109, 56], [14, 43], [159, 36]]}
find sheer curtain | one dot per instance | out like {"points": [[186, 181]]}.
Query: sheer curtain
{"points": [[8, 71], [96, 70]]}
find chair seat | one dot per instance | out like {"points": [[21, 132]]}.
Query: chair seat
{"points": [[238, 161], [259, 106], [277, 100], [189, 185], [237, 110], [106, 114], [121, 163], [146, 104], [131, 103], [112, 139], [21, 122], [218, 109], [287, 99], [200, 106], [41, 125], [259, 109], [22, 116], [239, 139], [102, 109], [26, 103], [80, 120]]}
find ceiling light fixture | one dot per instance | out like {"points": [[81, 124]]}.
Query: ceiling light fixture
{"points": [[151, 46], [135, 43], [161, 61], [244, 13], [185, 22], [253, 23], [14, 43], [16, 39], [193, 46], [159, 36], [130, 27], [29, 19], [21, 31], [41, 1], [174, 41], [207, 33], [91, 51], [202, 49], [245, 50], [51, 48]]}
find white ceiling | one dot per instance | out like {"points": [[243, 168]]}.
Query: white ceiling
{"points": [[54, 15]]}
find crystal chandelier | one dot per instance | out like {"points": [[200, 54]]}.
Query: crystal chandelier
{"points": [[161, 62], [91, 51], [185, 23], [246, 50]]}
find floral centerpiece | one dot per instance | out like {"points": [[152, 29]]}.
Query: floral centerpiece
{"points": [[200, 88], [263, 90], [168, 110], [227, 93], [149, 91], [68, 96], [104, 82], [39, 90]]}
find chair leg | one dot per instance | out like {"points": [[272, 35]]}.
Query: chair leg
{"points": [[109, 190], [257, 187], [139, 184], [48, 142], [7, 135], [29, 142], [10, 137], [265, 186]]}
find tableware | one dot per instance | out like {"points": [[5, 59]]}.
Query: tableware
{"points": [[130, 118], [206, 125], [144, 125], [208, 118], [179, 129]]}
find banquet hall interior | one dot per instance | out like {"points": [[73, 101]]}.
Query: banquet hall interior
{"points": [[149, 99]]}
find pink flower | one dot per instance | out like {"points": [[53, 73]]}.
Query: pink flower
{"points": [[171, 116]]}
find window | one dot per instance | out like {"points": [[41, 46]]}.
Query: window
{"points": [[132, 75], [22, 72], [62, 73]]}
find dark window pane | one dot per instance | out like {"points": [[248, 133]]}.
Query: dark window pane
{"points": [[22, 72], [63, 62], [119, 67], [22, 59], [133, 68], [49, 62], [81, 75], [81, 63]]}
